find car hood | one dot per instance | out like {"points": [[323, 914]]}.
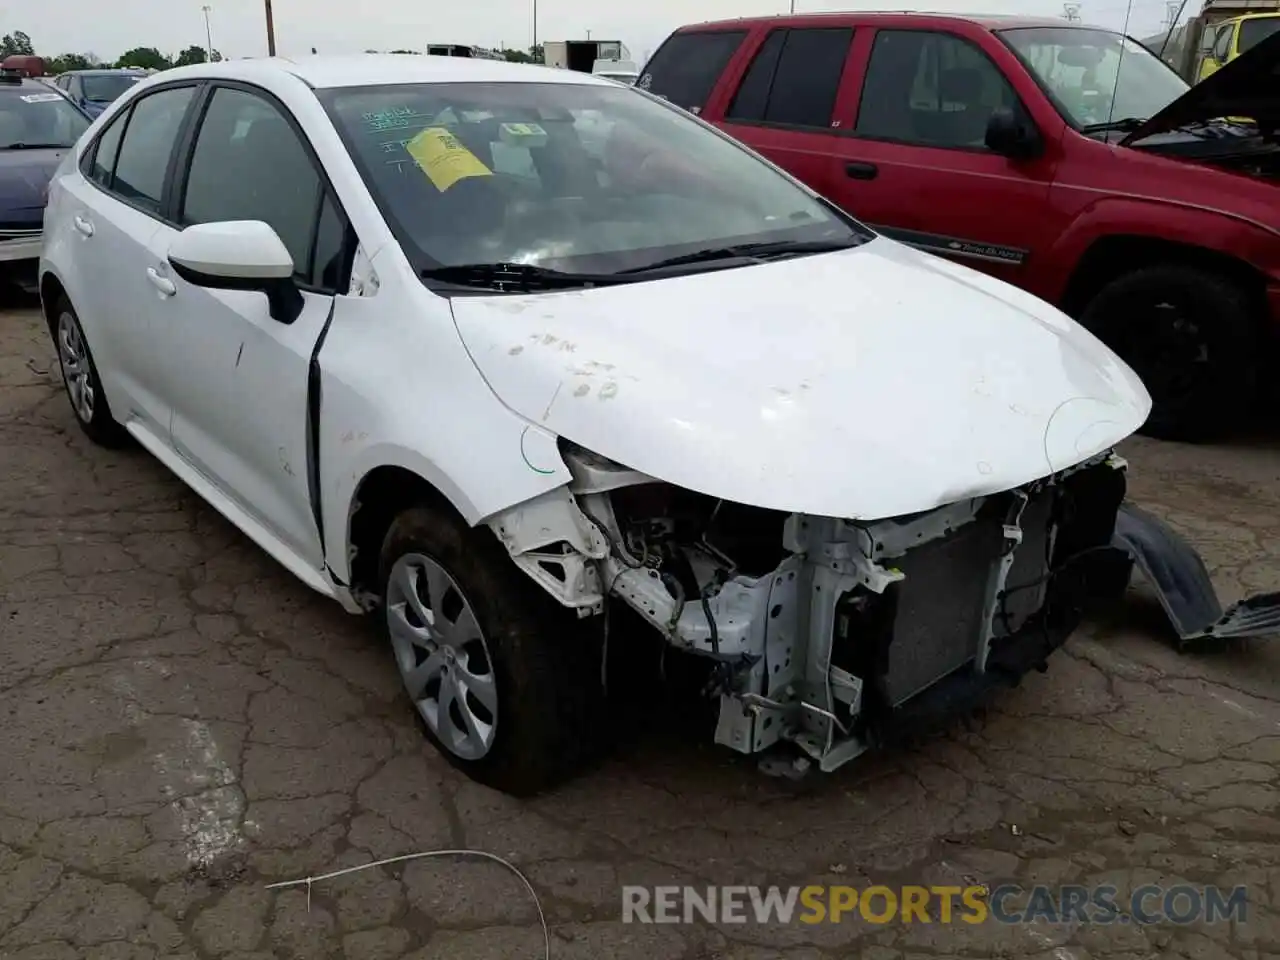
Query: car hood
{"points": [[24, 176], [1248, 86], [868, 383]]}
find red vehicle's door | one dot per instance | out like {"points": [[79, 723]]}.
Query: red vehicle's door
{"points": [[915, 164]]}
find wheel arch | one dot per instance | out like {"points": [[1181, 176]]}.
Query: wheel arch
{"points": [[379, 497], [1112, 256], [51, 289]]}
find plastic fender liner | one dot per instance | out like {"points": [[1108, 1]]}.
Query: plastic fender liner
{"points": [[1178, 575]]}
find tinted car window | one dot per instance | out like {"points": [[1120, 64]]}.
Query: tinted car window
{"points": [[104, 155], [249, 164], [328, 270], [808, 77], [149, 140], [103, 88], [1253, 32], [752, 98], [685, 68], [934, 89]]}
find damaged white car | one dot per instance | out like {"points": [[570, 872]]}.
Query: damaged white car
{"points": [[486, 350]]}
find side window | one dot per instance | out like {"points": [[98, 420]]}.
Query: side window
{"points": [[1222, 49], [148, 143], [685, 68], [249, 164], [104, 154], [794, 78], [752, 98], [328, 271], [929, 88]]}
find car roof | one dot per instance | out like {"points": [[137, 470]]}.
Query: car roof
{"points": [[360, 70], [988, 21], [102, 71]]}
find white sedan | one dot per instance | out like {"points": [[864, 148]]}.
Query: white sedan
{"points": [[455, 357]]}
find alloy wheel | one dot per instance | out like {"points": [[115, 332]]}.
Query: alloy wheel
{"points": [[442, 655], [76, 372]]}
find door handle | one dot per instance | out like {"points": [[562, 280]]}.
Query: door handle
{"points": [[83, 225], [861, 170], [163, 284]]}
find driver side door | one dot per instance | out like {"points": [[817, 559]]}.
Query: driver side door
{"points": [[238, 377]]}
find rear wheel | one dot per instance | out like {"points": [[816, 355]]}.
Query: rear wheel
{"points": [[1189, 334], [505, 682], [80, 377]]}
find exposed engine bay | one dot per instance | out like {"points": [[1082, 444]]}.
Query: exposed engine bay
{"points": [[833, 634], [1236, 148]]}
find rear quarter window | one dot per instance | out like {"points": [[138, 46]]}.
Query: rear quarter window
{"points": [[685, 68]]}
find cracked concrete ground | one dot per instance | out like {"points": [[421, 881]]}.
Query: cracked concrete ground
{"points": [[182, 723]]}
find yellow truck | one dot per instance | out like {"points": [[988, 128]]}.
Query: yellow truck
{"points": [[1220, 32], [1233, 37]]}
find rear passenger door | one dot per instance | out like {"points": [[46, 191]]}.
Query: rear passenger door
{"points": [[117, 208], [917, 165], [786, 104]]}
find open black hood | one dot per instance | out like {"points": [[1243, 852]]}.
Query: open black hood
{"points": [[1248, 86]]}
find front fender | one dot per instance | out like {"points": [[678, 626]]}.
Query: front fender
{"points": [[1158, 220], [408, 396]]}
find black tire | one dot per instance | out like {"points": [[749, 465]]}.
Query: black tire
{"points": [[546, 662], [96, 420], [1191, 335]]}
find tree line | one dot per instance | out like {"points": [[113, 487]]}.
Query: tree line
{"points": [[149, 58]]}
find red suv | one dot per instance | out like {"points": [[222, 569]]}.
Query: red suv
{"points": [[1068, 160]]}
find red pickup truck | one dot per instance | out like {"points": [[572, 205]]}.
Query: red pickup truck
{"points": [[1068, 160]]}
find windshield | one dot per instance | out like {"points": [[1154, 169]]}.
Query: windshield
{"points": [[1254, 31], [588, 178], [1096, 76], [35, 117], [106, 87]]}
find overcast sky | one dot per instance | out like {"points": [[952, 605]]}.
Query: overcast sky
{"points": [[341, 26]]}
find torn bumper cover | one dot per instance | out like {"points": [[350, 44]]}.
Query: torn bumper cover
{"points": [[1177, 574]]}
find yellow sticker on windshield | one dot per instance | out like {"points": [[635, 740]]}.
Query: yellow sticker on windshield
{"points": [[444, 159]]}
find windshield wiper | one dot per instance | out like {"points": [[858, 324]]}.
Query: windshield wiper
{"points": [[1127, 124], [515, 277], [34, 146], [750, 251]]}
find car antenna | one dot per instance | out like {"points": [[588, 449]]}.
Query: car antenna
{"points": [[1173, 25], [1111, 111]]}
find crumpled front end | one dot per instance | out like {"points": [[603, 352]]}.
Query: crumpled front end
{"points": [[834, 634]]}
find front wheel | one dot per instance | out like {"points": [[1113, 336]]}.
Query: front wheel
{"points": [[1189, 334], [505, 683]]}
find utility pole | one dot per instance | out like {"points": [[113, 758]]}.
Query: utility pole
{"points": [[208, 34], [271, 30], [1172, 9]]}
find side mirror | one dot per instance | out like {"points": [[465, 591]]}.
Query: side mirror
{"points": [[1011, 136], [239, 255]]}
